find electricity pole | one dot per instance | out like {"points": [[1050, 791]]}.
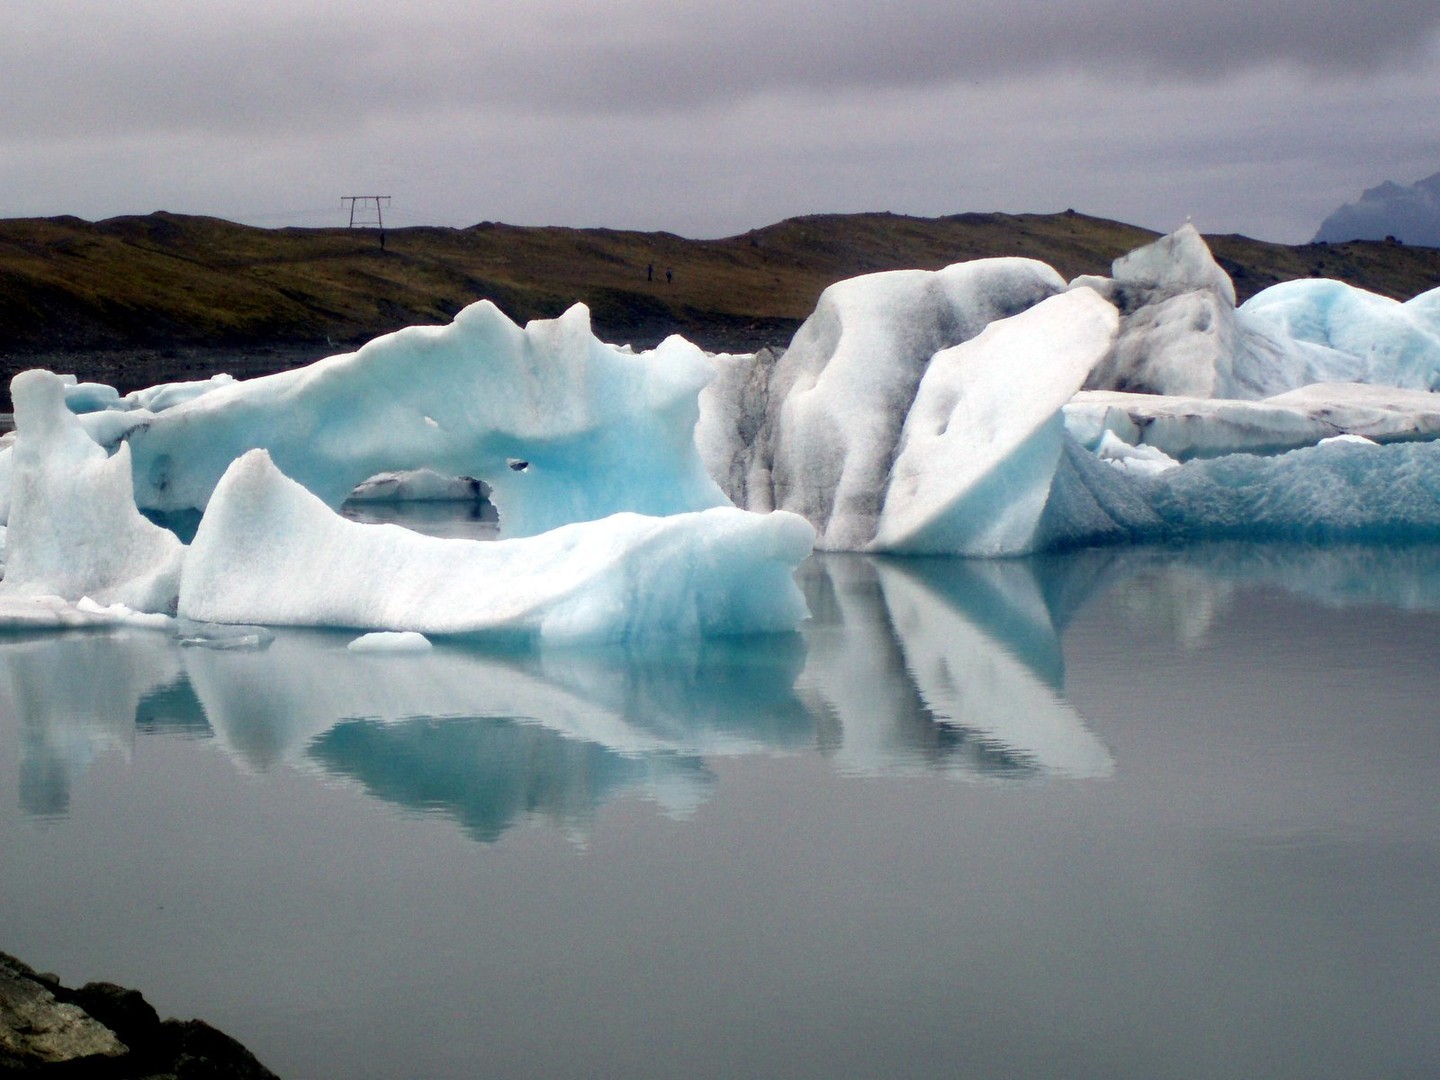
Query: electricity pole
{"points": [[363, 205]]}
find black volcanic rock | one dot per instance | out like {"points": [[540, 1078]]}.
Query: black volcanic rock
{"points": [[106, 1032], [1410, 215]]}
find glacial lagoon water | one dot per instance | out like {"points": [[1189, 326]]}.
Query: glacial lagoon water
{"points": [[1133, 813]]}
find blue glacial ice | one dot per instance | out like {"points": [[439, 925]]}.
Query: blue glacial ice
{"points": [[562, 426]]}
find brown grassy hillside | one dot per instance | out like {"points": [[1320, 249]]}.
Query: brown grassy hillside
{"points": [[136, 300]]}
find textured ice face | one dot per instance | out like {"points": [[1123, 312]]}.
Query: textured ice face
{"points": [[1350, 490], [563, 427], [1361, 336], [835, 403]]}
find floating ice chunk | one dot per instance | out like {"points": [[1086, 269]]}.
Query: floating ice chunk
{"points": [[120, 615], [222, 637], [390, 641], [1146, 460], [981, 442], [836, 401], [73, 527], [268, 551], [420, 485], [601, 430]]}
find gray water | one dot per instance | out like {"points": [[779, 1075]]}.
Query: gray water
{"points": [[1130, 814]]}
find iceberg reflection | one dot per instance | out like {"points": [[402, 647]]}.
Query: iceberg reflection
{"points": [[942, 663], [907, 666]]}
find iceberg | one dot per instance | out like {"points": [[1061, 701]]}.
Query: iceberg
{"points": [[1084, 416], [980, 443], [820, 438], [1185, 428], [269, 551], [1372, 339], [563, 427], [73, 528]]}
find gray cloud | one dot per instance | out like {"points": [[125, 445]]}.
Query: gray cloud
{"points": [[76, 67], [709, 118]]}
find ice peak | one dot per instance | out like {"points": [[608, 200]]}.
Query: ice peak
{"points": [[1179, 262]]}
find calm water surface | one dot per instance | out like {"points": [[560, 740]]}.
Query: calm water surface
{"points": [[1127, 814]]}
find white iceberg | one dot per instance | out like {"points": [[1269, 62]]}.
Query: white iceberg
{"points": [[268, 551], [981, 442], [835, 403], [73, 528]]}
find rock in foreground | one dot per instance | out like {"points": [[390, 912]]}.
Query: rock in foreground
{"points": [[106, 1032]]}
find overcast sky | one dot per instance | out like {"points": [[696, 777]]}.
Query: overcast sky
{"points": [[711, 117]]}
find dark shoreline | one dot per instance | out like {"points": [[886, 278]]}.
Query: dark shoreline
{"points": [[106, 1032], [129, 369]]}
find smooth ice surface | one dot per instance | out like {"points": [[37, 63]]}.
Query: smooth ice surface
{"points": [[563, 427], [820, 439], [983, 436], [73, 528], [268, 551]]}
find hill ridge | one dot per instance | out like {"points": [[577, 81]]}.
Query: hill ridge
{"points": [[138, 299]]}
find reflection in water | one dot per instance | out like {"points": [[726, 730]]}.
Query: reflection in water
{"points": [[491, 773], [906, 665], [942, 663], [74, 695]]}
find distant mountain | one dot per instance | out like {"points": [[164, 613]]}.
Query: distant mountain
{"points": [[1409, 214]]}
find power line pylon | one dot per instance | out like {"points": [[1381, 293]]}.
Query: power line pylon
{"points": [[362, 205]]}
